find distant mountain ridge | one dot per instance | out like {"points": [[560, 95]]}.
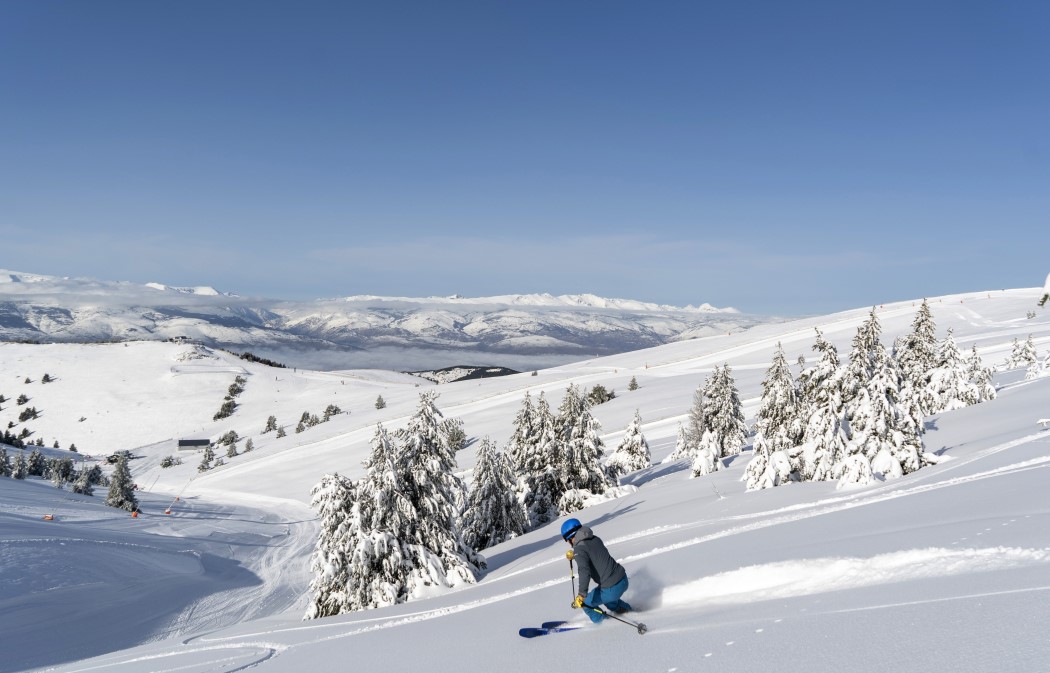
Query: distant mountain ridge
{"points": [[521, 331]]}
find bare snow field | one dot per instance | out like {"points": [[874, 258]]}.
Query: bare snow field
{"points": [[945, 570]]}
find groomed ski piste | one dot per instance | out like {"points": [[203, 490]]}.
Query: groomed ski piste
{"points": [[946, 570]]}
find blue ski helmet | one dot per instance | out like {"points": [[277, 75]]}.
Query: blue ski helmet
{"points": [[569, 528]]}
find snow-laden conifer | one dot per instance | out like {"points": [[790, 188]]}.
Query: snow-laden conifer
{"points": [[724, 414], [121, 488], [426, 467], [681, 446], [776, 426], [544, 477], [20, 466], [522, 442], [5, 463], [632, 454], [583, 452], [980, 376], [916, 356], [333, 499], [493, 513], [706, 455], [387, 563], [826, 427], [1022, 354], [950, 384]]}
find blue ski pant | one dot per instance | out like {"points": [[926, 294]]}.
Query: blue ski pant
{"points": [[609, 597]]}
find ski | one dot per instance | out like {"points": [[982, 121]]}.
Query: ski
{"points": [[545, 629]]}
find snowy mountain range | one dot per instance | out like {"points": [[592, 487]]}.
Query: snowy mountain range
{"points": [[944, 570], [363, 331]]}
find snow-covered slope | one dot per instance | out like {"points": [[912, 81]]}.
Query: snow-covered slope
{"points": [[517, 331], [944, 570]]}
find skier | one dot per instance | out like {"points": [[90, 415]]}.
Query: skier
{"points": [[595, 562]]}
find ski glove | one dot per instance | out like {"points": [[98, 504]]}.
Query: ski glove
{"points": [[569, 555], [578, 603]]}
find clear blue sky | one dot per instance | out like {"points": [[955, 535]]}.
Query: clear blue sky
{"points": [[779, 157]]}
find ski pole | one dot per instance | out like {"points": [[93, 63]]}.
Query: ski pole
{"points": [[572, 574], [642, 628]]}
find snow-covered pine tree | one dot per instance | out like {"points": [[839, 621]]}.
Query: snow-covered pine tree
{"points": [[950, 385], [493, 513], [206, 458], [20, 467], [543, 472], [36, 463], [632, 454], [5, 463], [776, 427], [916, 357], [582, 467], [981, 378], [333, 499], [681, 446], [426, 473], [724, 413], [121, 488], [572, 405], [885, 435], [695, 425], [386, 562], [521, 445], [83, 484], [706, 456], [826, 429]]}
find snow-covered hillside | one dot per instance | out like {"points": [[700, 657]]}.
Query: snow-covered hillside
{"points": [[946, 569], [517, 331]]}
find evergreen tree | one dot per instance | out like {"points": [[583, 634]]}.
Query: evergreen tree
{"points": [[681, 446], [20, 469], [121, 488], [633, 385], [724, 413], [331, 410], [36, 463], [387, 563], [5, 463], [380, 402], [1022, 354], [206, 458], [333, 498], [695, 426], [281, 432], [776, 426], [581, 467], [949, 385], [426, 471], [916, 357], [543, 469], [493, 513], [706, 455], [248, 445], [522, 442], [980, 377], [232, 451], [632, 454], [826, 427], [83, 484], [271, 424]]}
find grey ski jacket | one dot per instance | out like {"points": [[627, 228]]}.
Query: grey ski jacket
{"points": [[594, 561]]}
